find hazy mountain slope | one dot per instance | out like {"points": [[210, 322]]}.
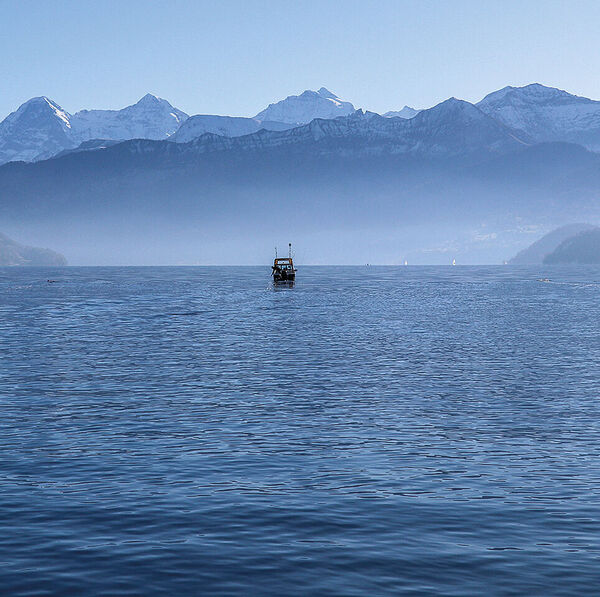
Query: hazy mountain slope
{"points": [[119, 206], [538, 113], [540, 249], [582, 248], [301, 109], [13, 253], [458, 127], [226, 126], [91, 145], [39, 129]]}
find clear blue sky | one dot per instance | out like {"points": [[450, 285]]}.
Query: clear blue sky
{"points": [[235, 57]]}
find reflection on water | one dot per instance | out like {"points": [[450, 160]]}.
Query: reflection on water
{"points": [[376, 431]]}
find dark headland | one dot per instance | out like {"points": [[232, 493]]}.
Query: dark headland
{"points": [[583, 248], [551, 247]]}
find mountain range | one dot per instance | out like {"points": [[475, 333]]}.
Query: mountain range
{"points": [[148, 184], [40, 128]]}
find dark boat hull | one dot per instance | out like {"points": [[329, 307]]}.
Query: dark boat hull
{"points": [[278, 278]]}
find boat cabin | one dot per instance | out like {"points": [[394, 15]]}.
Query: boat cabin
{"points": [[283, 268]]}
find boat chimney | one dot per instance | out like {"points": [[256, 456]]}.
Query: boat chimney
{"points": [[290, 250]]}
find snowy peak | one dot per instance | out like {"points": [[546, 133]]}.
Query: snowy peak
{"points": [[43, 105], [323, 92], [40, 108], [533, 93], [301, 109], [38, 129], [152, 103], [539, 114], [407, 112], [150, 100], [150, 118]]}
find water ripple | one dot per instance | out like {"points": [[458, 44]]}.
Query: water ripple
{"points": [[371, 431]]}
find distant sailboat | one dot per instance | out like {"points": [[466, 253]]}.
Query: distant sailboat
{"points": [[405, 262], [454, 262]]}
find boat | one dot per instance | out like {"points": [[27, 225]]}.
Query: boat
{"points": [[283, 270]]}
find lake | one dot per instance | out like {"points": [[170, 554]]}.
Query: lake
{"points": [[370, 431]]}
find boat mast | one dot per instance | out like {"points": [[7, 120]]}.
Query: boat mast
{"points": [[290, 250]]}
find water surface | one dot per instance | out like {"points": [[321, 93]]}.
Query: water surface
{"points": [[372, 431]]}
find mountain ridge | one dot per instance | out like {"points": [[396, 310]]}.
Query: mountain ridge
{"points": [[452, 128], [40, 128]]}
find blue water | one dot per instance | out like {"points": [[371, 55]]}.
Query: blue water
{"points": [[372, 431]]}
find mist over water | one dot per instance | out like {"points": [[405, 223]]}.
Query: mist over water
{"points": [[373, 430], [122, 207]]}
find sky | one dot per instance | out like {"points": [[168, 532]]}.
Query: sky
{"points": [[235, 57]]}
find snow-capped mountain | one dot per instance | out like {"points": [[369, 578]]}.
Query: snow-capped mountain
{"points": [[150, 118], [40, 128], [301, 109], [291, 112], [456, 127], [537, 113], [406, 112], [364, 175], [452, 128], [450, 168], [226, 126]]}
